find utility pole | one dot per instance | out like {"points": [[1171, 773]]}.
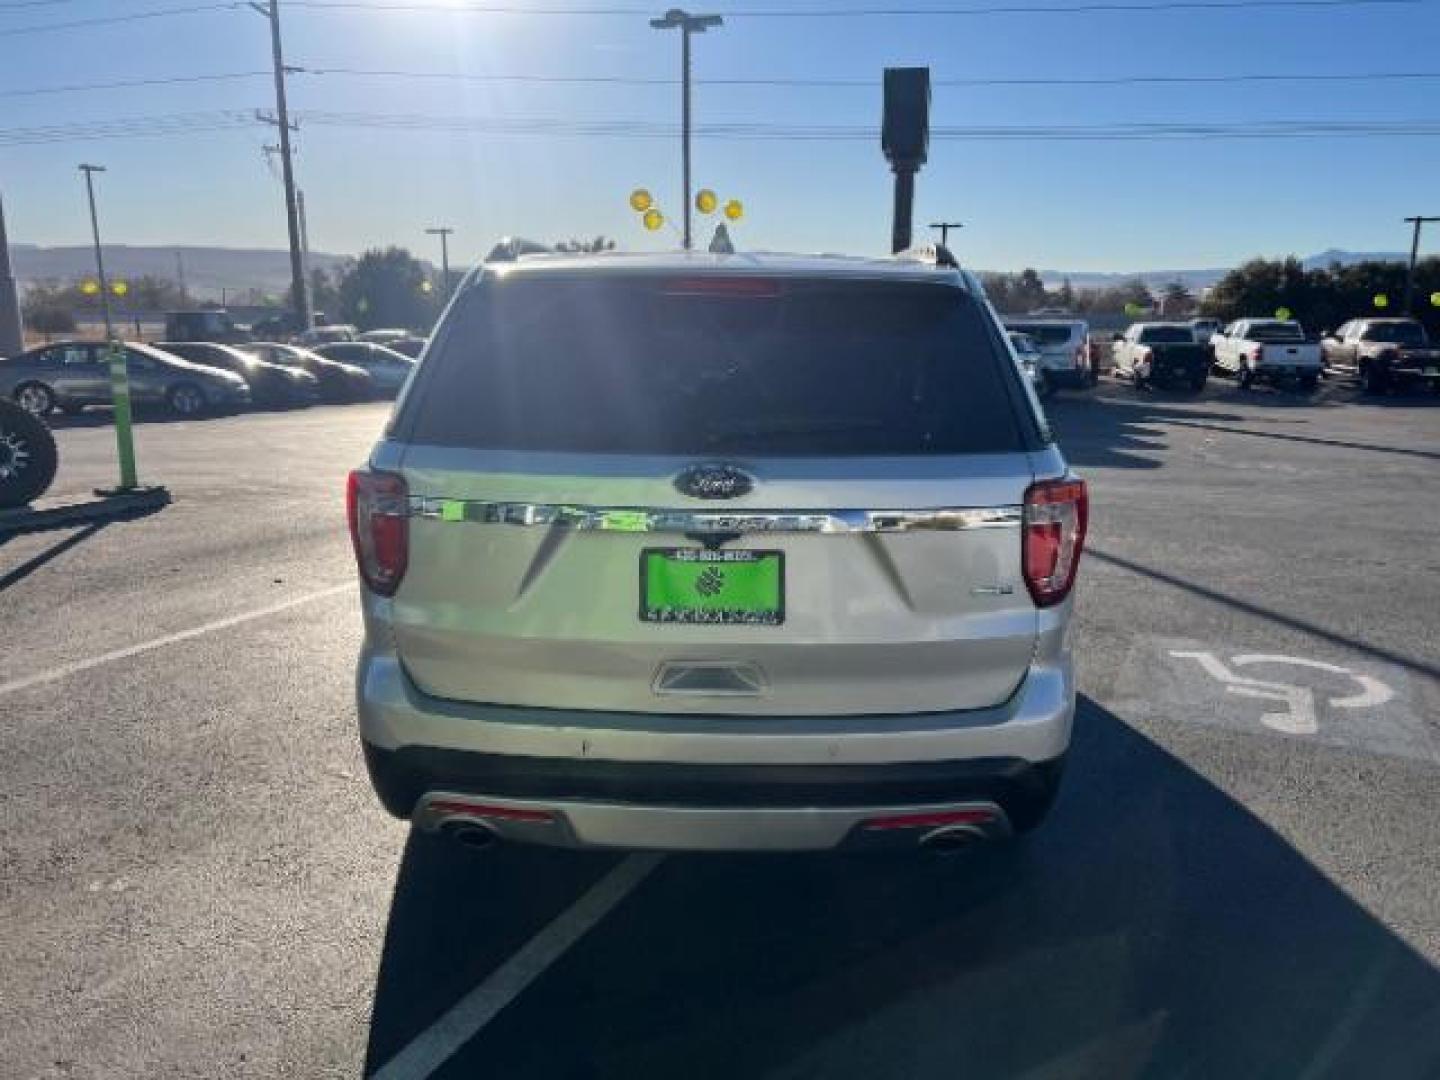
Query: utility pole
{"points": [[304, 244], [945, 227], [12, 329], [687, 24], [119, 376], [180, 273], [444, 232], [300, 293], [1414, 254]]}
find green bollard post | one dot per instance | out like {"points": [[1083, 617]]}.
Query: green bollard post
{"points": [[124, 436]]}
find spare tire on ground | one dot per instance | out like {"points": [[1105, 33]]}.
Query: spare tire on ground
{"points": [[27, 456]]}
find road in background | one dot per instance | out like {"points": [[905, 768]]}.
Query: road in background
{"points": [[195, 879]]}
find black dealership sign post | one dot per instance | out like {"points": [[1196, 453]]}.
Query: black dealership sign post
{"points": [[905, 138]]}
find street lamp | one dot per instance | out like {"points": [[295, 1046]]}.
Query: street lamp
{"points": [[444, 232], [1419, 221], [687, 24], [945, 227], [119, 376]]}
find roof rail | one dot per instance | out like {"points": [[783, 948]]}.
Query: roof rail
{"points": [[938, 254], [510, 248]]}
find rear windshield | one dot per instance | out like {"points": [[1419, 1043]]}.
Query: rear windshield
{"points": [[1277, 332], [1046, 334], [1167, 335], [663, 365], [1405, 333]]}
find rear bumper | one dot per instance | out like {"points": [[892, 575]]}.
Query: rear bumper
{"points": [[708, 783]]}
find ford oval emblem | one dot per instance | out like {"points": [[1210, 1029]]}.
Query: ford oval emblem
{"points": [[714, 482]]}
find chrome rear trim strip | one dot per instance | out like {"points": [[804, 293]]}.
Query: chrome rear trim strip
{"points": [[631, 519]]}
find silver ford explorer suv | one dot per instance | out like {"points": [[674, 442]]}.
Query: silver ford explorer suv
{"points": [[723, 553]]}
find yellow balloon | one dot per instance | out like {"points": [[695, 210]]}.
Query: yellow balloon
{"points": [[706, 201], [1381, 300], [426, 287], [119, 288], [1283, 314], [653, 219], [90, 288], [640, 200], [1435, 299], [734, 210]]}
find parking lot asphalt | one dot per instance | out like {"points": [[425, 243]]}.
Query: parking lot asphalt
{"points": [[1238, 880]]}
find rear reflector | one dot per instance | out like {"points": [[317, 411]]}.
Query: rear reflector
{"points": [[449, 808], [1056, 515], [935, 819], [756, 287]]}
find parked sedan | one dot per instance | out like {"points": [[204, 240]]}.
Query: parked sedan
{"points": [[70, 375], [338, 382], [410, 346], [270, 384], [387, 367]]}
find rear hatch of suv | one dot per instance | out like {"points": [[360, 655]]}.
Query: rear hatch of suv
{"points": [[1061, 344], [708, 492]]}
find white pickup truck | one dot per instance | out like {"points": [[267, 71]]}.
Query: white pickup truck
{"points": [[1267, 350]]}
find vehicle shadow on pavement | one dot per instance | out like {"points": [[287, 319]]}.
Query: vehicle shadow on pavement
{"points": [[19, 573], [1113, 433], [1152, 927]]}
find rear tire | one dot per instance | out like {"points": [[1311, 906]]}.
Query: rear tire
{"points": [[1244, 376], [1309, 384], [28, 457], [187, 399], [1197, 382], [1374, 379], [35, 398]]}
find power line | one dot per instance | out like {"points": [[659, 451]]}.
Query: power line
{"points": [[125, 84], [1097, 7], [221, 120], [796, 83], [108, 20]]}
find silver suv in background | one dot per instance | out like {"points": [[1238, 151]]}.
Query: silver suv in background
{"points": [[1064, 344], [693, 552]]}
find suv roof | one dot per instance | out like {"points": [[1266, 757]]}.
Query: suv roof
{"points": [[776, 264]]}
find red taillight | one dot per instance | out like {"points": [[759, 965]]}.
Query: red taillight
{"points": [[1056, 515], [378, 506], [723, 285], [1258, 354]]}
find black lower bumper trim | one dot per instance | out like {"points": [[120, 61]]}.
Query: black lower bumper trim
{"points": [[402, 776]]}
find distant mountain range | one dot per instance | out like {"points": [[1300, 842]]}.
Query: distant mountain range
{"points": [[236, 271], [210, 272], [1203, 279]]}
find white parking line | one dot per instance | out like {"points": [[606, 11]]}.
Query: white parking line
{"points": [[435, 1045], [64, 671]]}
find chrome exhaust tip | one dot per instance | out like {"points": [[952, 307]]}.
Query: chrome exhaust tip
{"points": [[951, 838], [473, 834]]}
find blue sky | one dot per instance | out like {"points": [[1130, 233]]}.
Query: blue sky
{"points": [[1071, 205]]}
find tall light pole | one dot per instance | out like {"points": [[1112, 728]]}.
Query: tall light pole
{"points": [[1414, 254], [945, 227], [12, 328], [687, 24], [444, 232], [300, 293], [119, 376]]}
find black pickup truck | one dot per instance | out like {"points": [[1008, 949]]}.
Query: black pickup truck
{"points": [[1161, 353]]}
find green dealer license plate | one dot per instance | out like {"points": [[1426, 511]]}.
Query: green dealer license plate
{"points": [[693, 585]]}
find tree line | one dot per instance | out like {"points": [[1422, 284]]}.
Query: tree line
{"points": [[1323, 298]]}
